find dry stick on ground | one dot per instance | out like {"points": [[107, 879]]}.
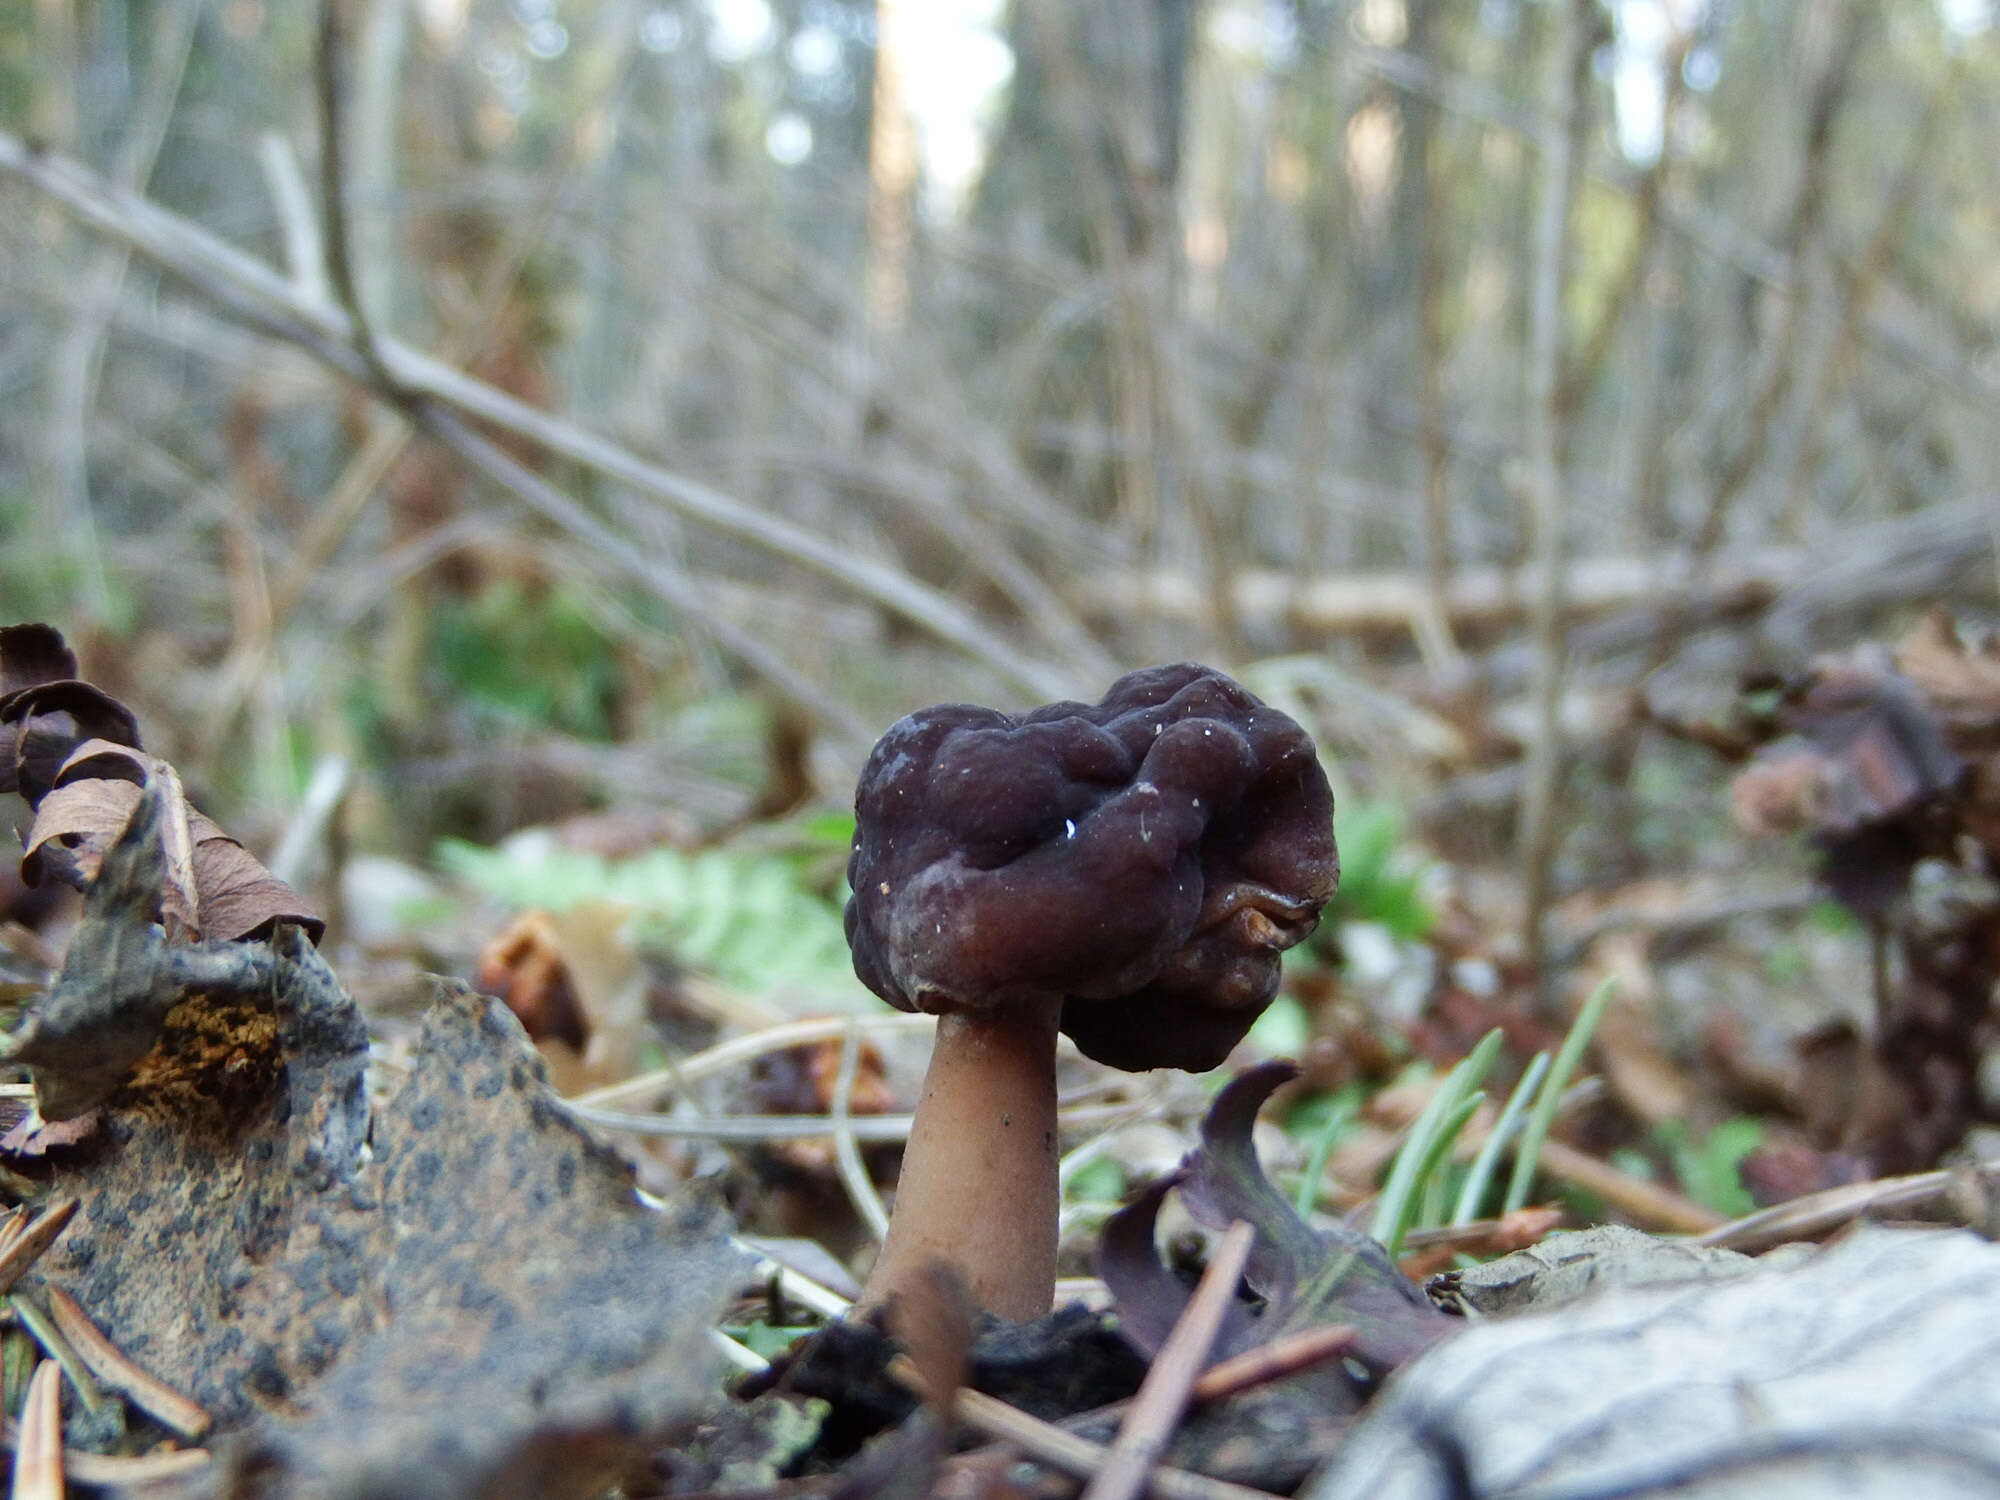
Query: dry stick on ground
{"points": [[1069, 1454], [867, 1129], [1648, 1203], [1285, 1356], [1164, 1393], [647, 1087], [1818, 1213], [1277, 1360], [252, 292], [1541, 813], [846, 1154]]}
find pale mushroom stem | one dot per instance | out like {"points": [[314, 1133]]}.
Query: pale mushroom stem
{"points": [[978, 1186]]}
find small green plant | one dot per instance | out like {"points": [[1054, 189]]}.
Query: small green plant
{"points": [[1419, 1180], [1428, 1146], [533, 656], [1543, 1115], [1711, 1169], [1381, 880], [1321, 1120]]}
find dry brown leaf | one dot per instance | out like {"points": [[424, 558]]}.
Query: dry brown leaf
{"points": [[45, 712], [523, 968], [31, 656], [231, 893], [242, 899], [1961, 681]]}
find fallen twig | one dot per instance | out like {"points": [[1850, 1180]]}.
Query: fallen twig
{"points": [[1649, 1203], [1078, 1457], [846, 1152], [1166, 1390], [1277, 1360], [676, 1076], [1819, 1213], [742, 1128]]}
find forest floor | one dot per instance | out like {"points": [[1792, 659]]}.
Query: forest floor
{"points": [[291, 1210]]}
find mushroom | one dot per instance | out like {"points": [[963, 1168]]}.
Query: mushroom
{"points": [[1127, 872]]}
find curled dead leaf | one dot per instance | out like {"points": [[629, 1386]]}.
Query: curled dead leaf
{"points": [[523, 968], [212, 886], [46, 711]]}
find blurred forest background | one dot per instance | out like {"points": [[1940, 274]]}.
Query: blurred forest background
{"points": [[1493, 385]]}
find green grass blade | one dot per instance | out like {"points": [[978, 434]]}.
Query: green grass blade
{"points": [[1487, 1162], [1337, 1120], [1537, 1130], [1396, 1206]]}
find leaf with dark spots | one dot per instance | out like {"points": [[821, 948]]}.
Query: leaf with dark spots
{"points": [[341, 1285]]}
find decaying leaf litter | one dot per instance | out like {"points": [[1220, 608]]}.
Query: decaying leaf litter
{"points": [[332, 1272]]}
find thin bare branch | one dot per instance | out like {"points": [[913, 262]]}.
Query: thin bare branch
{"points": [[252, 292]]}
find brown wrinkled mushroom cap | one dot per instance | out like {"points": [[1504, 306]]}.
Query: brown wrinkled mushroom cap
{"points": [[1145, 859]]}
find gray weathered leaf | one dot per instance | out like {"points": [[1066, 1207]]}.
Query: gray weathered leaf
{"points": [[1870, 1370], [1566, 1266]]}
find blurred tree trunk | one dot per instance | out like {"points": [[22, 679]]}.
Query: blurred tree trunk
{"points": [[1567, 107], [892, 174]]}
